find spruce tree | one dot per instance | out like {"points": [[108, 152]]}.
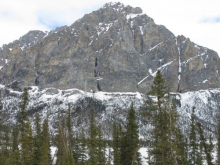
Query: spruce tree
{"points": [[45, 156], [83, 152], [26, 140], [37, 140], [205, 146], [70, 138], [27, 144], [195, 156], [101, 148], [117, 135], [161, 116], [130, 143], [93, 146], [15, 154], [23, 113], [60, 143]]}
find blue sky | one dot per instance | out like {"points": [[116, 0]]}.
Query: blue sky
{"points": [[198, 20]]}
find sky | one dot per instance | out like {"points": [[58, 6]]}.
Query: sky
{"points": [[198, 20]]}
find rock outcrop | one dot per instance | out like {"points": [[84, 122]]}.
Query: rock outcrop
{"points": [[116, 48]]}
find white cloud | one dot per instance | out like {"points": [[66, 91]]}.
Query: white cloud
{"points": [[186, 18]]}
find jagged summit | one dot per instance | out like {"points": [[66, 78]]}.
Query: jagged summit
{"points": [[120, 7], [115, 49]]}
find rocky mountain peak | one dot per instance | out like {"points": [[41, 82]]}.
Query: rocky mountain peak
{"points": [[120, 7], [115, 48]]}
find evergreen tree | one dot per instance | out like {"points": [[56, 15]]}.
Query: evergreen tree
{"points": [[93, 146], [15, 154], [161, 114], [130, 144], [68, 159], [27, 145], [205, 146], [195, 157], [27, 142], [101, 148], [37, 140], [77, 149], [23, 113], [82, 153], [44, 156], [60, 143], [181, 148], [70, 139], [117, 135], [5, 147]]}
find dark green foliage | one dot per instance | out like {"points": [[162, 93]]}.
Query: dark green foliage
{"points": [[93, 145], [68, 159], [117, 138], [44, 156], [195, 156], [37, 140], [159, 118], [101, 148], [80, 153], [60, 143], [69, 130], [27, 145], [22, 118], [166, 148], [207, 148], [130, 141], [15, 155]]}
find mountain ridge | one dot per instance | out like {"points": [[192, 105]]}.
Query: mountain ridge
{"points": [[115, 48]]}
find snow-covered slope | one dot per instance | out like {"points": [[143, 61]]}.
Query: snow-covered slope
{"points": [[108, 107]]}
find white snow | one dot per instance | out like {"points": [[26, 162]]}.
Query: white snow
{"points": [[142, 80], [155, 46], [192, 58], [131, 16], [53, 151], [161, 68], [6, 61], [141, 29], [98, 78], [154, 73], [205, 81], [180, 64], [196, 46], [150, 71], [91, 42], [1, 67], [144, 155]]}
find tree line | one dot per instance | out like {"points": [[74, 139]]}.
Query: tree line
{"points": [[22, 144]]}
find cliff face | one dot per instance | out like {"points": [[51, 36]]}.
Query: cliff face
{"points": [[116, 48]]}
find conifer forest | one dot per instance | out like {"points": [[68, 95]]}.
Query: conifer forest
{"points": [[23, 143]]}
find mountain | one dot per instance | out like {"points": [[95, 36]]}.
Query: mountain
{"points": [[114, 49]]}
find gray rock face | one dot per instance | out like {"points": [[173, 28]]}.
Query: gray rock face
{"points": [[116, 48]]}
